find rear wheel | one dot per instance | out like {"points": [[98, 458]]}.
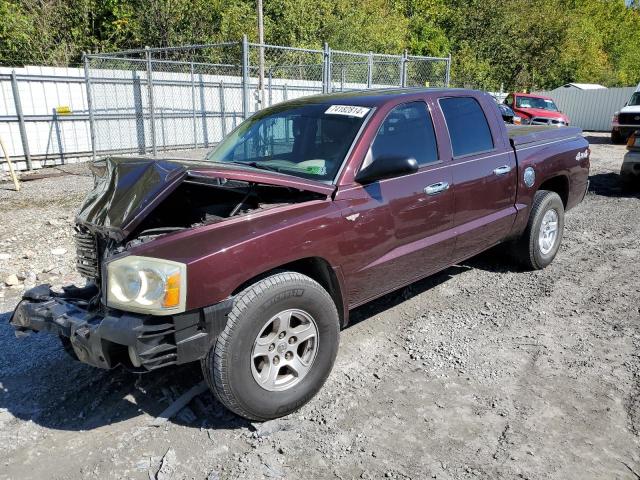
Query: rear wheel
{"points": [[540, 241], [277, 349]]}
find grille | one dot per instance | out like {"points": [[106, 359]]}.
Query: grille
{"points": [[87, 261], [546, 121], [629, 118]]}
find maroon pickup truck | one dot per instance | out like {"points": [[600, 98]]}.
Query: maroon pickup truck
{"points": [[251, 259]]}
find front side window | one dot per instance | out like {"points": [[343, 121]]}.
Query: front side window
{"points": [[407, 132], [309, 141], [468, 127]]}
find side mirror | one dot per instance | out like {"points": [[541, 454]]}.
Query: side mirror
{"points": [[386, 167]]}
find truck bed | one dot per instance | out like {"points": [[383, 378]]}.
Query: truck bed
{"points": [[520, 135]]}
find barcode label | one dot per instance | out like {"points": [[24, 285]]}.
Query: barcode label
{"points": [[349, 110]]}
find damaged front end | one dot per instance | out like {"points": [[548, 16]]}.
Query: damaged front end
{"points": [[135, 201], [107, 338]]}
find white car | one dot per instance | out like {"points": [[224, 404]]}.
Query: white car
{"points": [[627, 120], [630, 170]]}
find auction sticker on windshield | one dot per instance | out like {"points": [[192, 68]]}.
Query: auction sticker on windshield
{"points": [[349, 110]]}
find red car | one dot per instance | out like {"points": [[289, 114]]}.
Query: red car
{"points": [[250, 260], [536, 109]]}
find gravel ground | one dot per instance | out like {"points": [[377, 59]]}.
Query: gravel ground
{"points": [[482, 371]]}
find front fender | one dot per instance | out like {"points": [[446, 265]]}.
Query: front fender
{"points": [[222, 256]]}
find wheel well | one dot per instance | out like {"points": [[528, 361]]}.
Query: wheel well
{"points": [[560, 185], [313, 267]]}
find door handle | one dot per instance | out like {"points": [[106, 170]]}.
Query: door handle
{"points": [[436, 188], [503, 170]]}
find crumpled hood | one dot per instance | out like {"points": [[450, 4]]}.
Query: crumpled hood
{"points": [[127, 189]]}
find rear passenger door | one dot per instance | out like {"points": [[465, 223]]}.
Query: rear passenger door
{"points": [[484, 174]]}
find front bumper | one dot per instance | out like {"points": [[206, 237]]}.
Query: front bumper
{"points": [[625, 130], [106, 338]]}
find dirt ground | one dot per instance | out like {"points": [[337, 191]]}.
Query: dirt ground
{"points": [[482, 371]]}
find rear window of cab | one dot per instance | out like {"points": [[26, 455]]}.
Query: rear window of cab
{"points": [[467, 124]]}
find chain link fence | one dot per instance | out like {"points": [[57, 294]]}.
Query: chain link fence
{"points": [[148, 100]]}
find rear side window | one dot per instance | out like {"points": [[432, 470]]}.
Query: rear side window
{"points": [[467, 125], [407, 132]]}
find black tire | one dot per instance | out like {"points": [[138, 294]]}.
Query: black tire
{"points": [[227, 366], [527, 248], [617, 138]]}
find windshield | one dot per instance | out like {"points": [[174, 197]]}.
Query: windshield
{"points": [[635, 100], [309, 141], [534, 102]]}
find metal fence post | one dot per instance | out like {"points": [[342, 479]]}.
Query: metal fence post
{"points": [[203, 111], [223, 111], [56, 125], [193, 107], [245, 77], [20, 115], [326, 68], [92, 120], [403, 70], [370, 70], [270, 87], [330, 70], [138, 105], [448, 74], [152, 113]]}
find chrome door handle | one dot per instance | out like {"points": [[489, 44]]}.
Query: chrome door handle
{"points": [[503, 170], [436, 188]]}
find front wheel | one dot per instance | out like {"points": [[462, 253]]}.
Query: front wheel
{"points": [[617, 138], [277, 348], [540, 241]]}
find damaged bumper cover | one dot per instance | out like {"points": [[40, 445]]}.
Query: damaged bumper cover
{"points": [[107, 338]]}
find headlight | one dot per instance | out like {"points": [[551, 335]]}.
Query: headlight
{"points": [[147, 285], [525, 121]]}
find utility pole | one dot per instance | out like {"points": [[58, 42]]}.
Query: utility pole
{"points": [[261, 55]]}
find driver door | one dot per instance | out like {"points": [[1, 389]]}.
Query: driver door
{"points": [[400, 227]]}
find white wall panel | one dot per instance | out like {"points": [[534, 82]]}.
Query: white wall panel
{"points": [[590, 109]]}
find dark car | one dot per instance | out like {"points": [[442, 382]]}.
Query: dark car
{"points": [[250, 260], [508, 115]]}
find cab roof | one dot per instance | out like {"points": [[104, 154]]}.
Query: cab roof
{"points": [[372, 98]]}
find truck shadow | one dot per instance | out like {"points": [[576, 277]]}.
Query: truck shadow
{"points": [[612, 185], [493, 260], [39, 382], [598, 139]]}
